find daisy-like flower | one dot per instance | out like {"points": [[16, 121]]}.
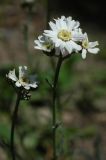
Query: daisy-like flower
{"points": [[44, 43], [24, 81], [65, 34], [89, 46]]}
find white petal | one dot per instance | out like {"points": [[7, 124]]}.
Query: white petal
{"points": [[57, 24], [32, 80], [34, 85], [62, 49], [63, 24], [63, 17], [69, 19], [11, 75], [75, 46], [41, 38], [22, 71], [27, 86], [93, 50], [74, 24], [80, 31], [84, 52], [86, 37], [57, 42], [18, 84], [53, 26], [50, 33], [37, 42], [76, 36], [36, 47], [93, 44], [69, 47], [77, 24]]}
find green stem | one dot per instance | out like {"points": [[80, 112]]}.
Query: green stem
{"points": [[54, 105], [14, 119]]}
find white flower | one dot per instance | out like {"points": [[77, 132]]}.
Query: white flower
{"points": [[65, 34], [65, 37], [44, 43], [88, 46], [24, 80]]}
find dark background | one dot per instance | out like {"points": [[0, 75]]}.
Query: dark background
{"points": [[92, 11]]}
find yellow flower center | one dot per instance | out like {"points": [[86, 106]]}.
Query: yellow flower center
{"points": [[64, 35], [48, 46], [24, 80], [85, 44]]}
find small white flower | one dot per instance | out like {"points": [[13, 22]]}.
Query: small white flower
{"points": [[65, 34], [25, 81], [89, 46], [44, 43]]}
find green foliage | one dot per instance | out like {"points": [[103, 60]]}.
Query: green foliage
{"points": [[4, 131]]}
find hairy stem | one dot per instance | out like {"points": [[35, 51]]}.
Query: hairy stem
{"points": [[54, 105]]}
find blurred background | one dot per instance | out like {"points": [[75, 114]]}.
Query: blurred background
{"points": [[81, 101]]}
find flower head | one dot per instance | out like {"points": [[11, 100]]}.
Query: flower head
{"points": [[65, 37], [89, 46], [23, 81]]}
